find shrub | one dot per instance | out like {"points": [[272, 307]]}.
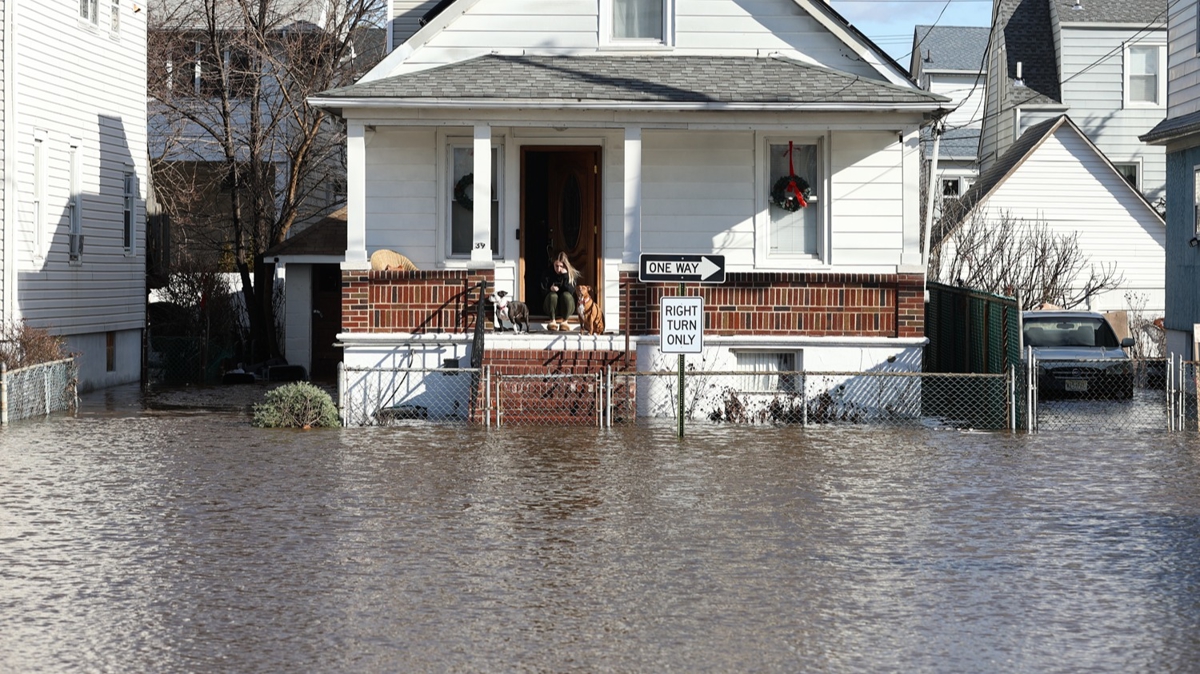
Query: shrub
{"points": [[22, 345], [298, 405]]}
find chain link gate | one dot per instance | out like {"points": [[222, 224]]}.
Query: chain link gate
{"points": [[1068, 394]]}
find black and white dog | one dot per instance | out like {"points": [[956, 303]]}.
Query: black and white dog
{"points": [[512, 312]]}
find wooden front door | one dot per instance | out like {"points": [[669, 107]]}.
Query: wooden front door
{"points": [[560, 210]]}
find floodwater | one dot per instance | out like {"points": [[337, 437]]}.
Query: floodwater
{"points": [[134, 540]]}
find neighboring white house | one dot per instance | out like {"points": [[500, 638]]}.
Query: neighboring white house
{"points": [[1103, 62], [74, 167], [1179, 136], [619, 127], [949, 60], [1054, 175]]}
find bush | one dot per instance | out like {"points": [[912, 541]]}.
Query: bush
{"points": [[298, 405], [22, 345]]}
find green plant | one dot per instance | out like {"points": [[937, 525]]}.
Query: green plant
{"points": [[298, 405], [22, 345]]}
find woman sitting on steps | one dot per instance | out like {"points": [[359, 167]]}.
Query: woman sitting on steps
{"points": [[559, 285]]}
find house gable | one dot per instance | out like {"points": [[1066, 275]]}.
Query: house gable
{"points": [[804, 30]]}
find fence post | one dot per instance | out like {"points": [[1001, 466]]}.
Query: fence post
{"points": [[46, 388], [487, 396], [3, 394], [341, 384]]}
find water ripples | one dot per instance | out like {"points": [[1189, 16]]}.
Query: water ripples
{"points": [[168, 542]]}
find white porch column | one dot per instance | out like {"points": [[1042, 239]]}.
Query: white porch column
{"points": [[356, 197], [910, 148], [633, 195], [481, 242]]}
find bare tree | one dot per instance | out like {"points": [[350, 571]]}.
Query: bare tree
{"points": [[1012, 256], [239, 156]]}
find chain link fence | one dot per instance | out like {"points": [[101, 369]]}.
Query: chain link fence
{"points": [[401, 396], [1082, 394], [38, 390]]}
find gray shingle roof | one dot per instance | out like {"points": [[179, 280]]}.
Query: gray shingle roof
{"points": [[951, 47], [956, 143], [1028, 39], [325, 237], [1139, 12], [1172, 128], [636, 79]]}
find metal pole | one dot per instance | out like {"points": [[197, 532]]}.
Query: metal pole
{"points": [[804, 400], [341, 379], [487, 395], [681, 359], [3, 394]]}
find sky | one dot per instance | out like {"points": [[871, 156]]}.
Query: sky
{"points": [[890, 23]]}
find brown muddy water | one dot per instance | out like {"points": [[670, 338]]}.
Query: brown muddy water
{"points": [[134, 540]]}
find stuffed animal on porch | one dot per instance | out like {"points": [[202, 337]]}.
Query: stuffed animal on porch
{"points": [[591, 319], [509, 312]]}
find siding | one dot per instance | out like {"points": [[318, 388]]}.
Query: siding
{"points": [[1182, 261], [3, 154], [406, 18], [402, 179], [1112, 227], [712, 27], [1093, 86], [966, 90], [79, 82], [1183, 89], [867, 197]]}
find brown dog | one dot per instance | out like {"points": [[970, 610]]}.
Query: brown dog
{"points": [[591, 319]]}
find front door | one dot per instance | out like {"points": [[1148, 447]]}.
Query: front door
{"points": [[326, 320], [560, 210]]}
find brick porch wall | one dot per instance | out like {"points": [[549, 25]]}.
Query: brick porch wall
{"points": [[412, 302], [792, 304]]}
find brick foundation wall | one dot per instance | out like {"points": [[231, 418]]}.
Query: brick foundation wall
{"points": [[412, 302], [818, 304]]}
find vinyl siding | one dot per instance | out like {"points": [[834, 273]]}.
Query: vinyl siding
{"points": [[1113, 226], [1182, 260], [1093, 72], [77, 81], [709, 27], [967, 91], [406, 18], [3, 150], [1183, 89]]}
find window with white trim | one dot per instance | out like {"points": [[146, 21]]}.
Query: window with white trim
{"points": [[637, 22], [129, 212], [74, 205], [1144, 81], [1129, 171], [773, 371], [461, 198], [41, 231], [1196, 201], [115, 17], [89, 10], [795, 232]]}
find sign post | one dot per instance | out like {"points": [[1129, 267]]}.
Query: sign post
{"points": [[681, 318]]}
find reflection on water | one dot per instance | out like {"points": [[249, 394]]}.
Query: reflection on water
{"points": [[142, 541]]}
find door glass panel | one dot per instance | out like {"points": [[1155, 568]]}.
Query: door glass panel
{"points": [[571, 214]]}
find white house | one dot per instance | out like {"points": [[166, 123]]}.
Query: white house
{"points": [[1179, 136], [74, 163], [614, 128], [1103, 62], [1055, 176], [950, 60]]}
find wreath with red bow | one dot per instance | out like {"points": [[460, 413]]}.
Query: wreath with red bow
{"points": [[791, 192]]}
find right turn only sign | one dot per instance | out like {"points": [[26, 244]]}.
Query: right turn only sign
{"points": [[681, 324]]}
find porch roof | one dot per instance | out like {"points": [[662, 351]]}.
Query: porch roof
{"points": [[632, 82]]}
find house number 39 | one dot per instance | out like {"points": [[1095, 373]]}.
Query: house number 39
{"points": [[480, 246]]}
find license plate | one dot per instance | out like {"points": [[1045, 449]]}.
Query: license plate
{"points": [[1076, 385]]}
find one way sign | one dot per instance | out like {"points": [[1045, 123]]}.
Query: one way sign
{"points": [[654, 268]]}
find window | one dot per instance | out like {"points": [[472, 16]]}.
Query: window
{"points": [[1196, 201], [638, 22], [41, 233], [1128, 171], [74, 207], [129, 211], [950, 188], [773, 371], [115, 17], [1144, 84], [89, 10], [462, 171], [799, 232]]}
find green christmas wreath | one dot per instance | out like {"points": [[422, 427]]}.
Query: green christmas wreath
{"points": [[463, 191], [791, 193]]}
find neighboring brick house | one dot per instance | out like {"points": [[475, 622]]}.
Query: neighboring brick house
{"points": [[608, 134]]}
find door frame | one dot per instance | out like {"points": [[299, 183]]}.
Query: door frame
{"points": [[598, 235]]}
